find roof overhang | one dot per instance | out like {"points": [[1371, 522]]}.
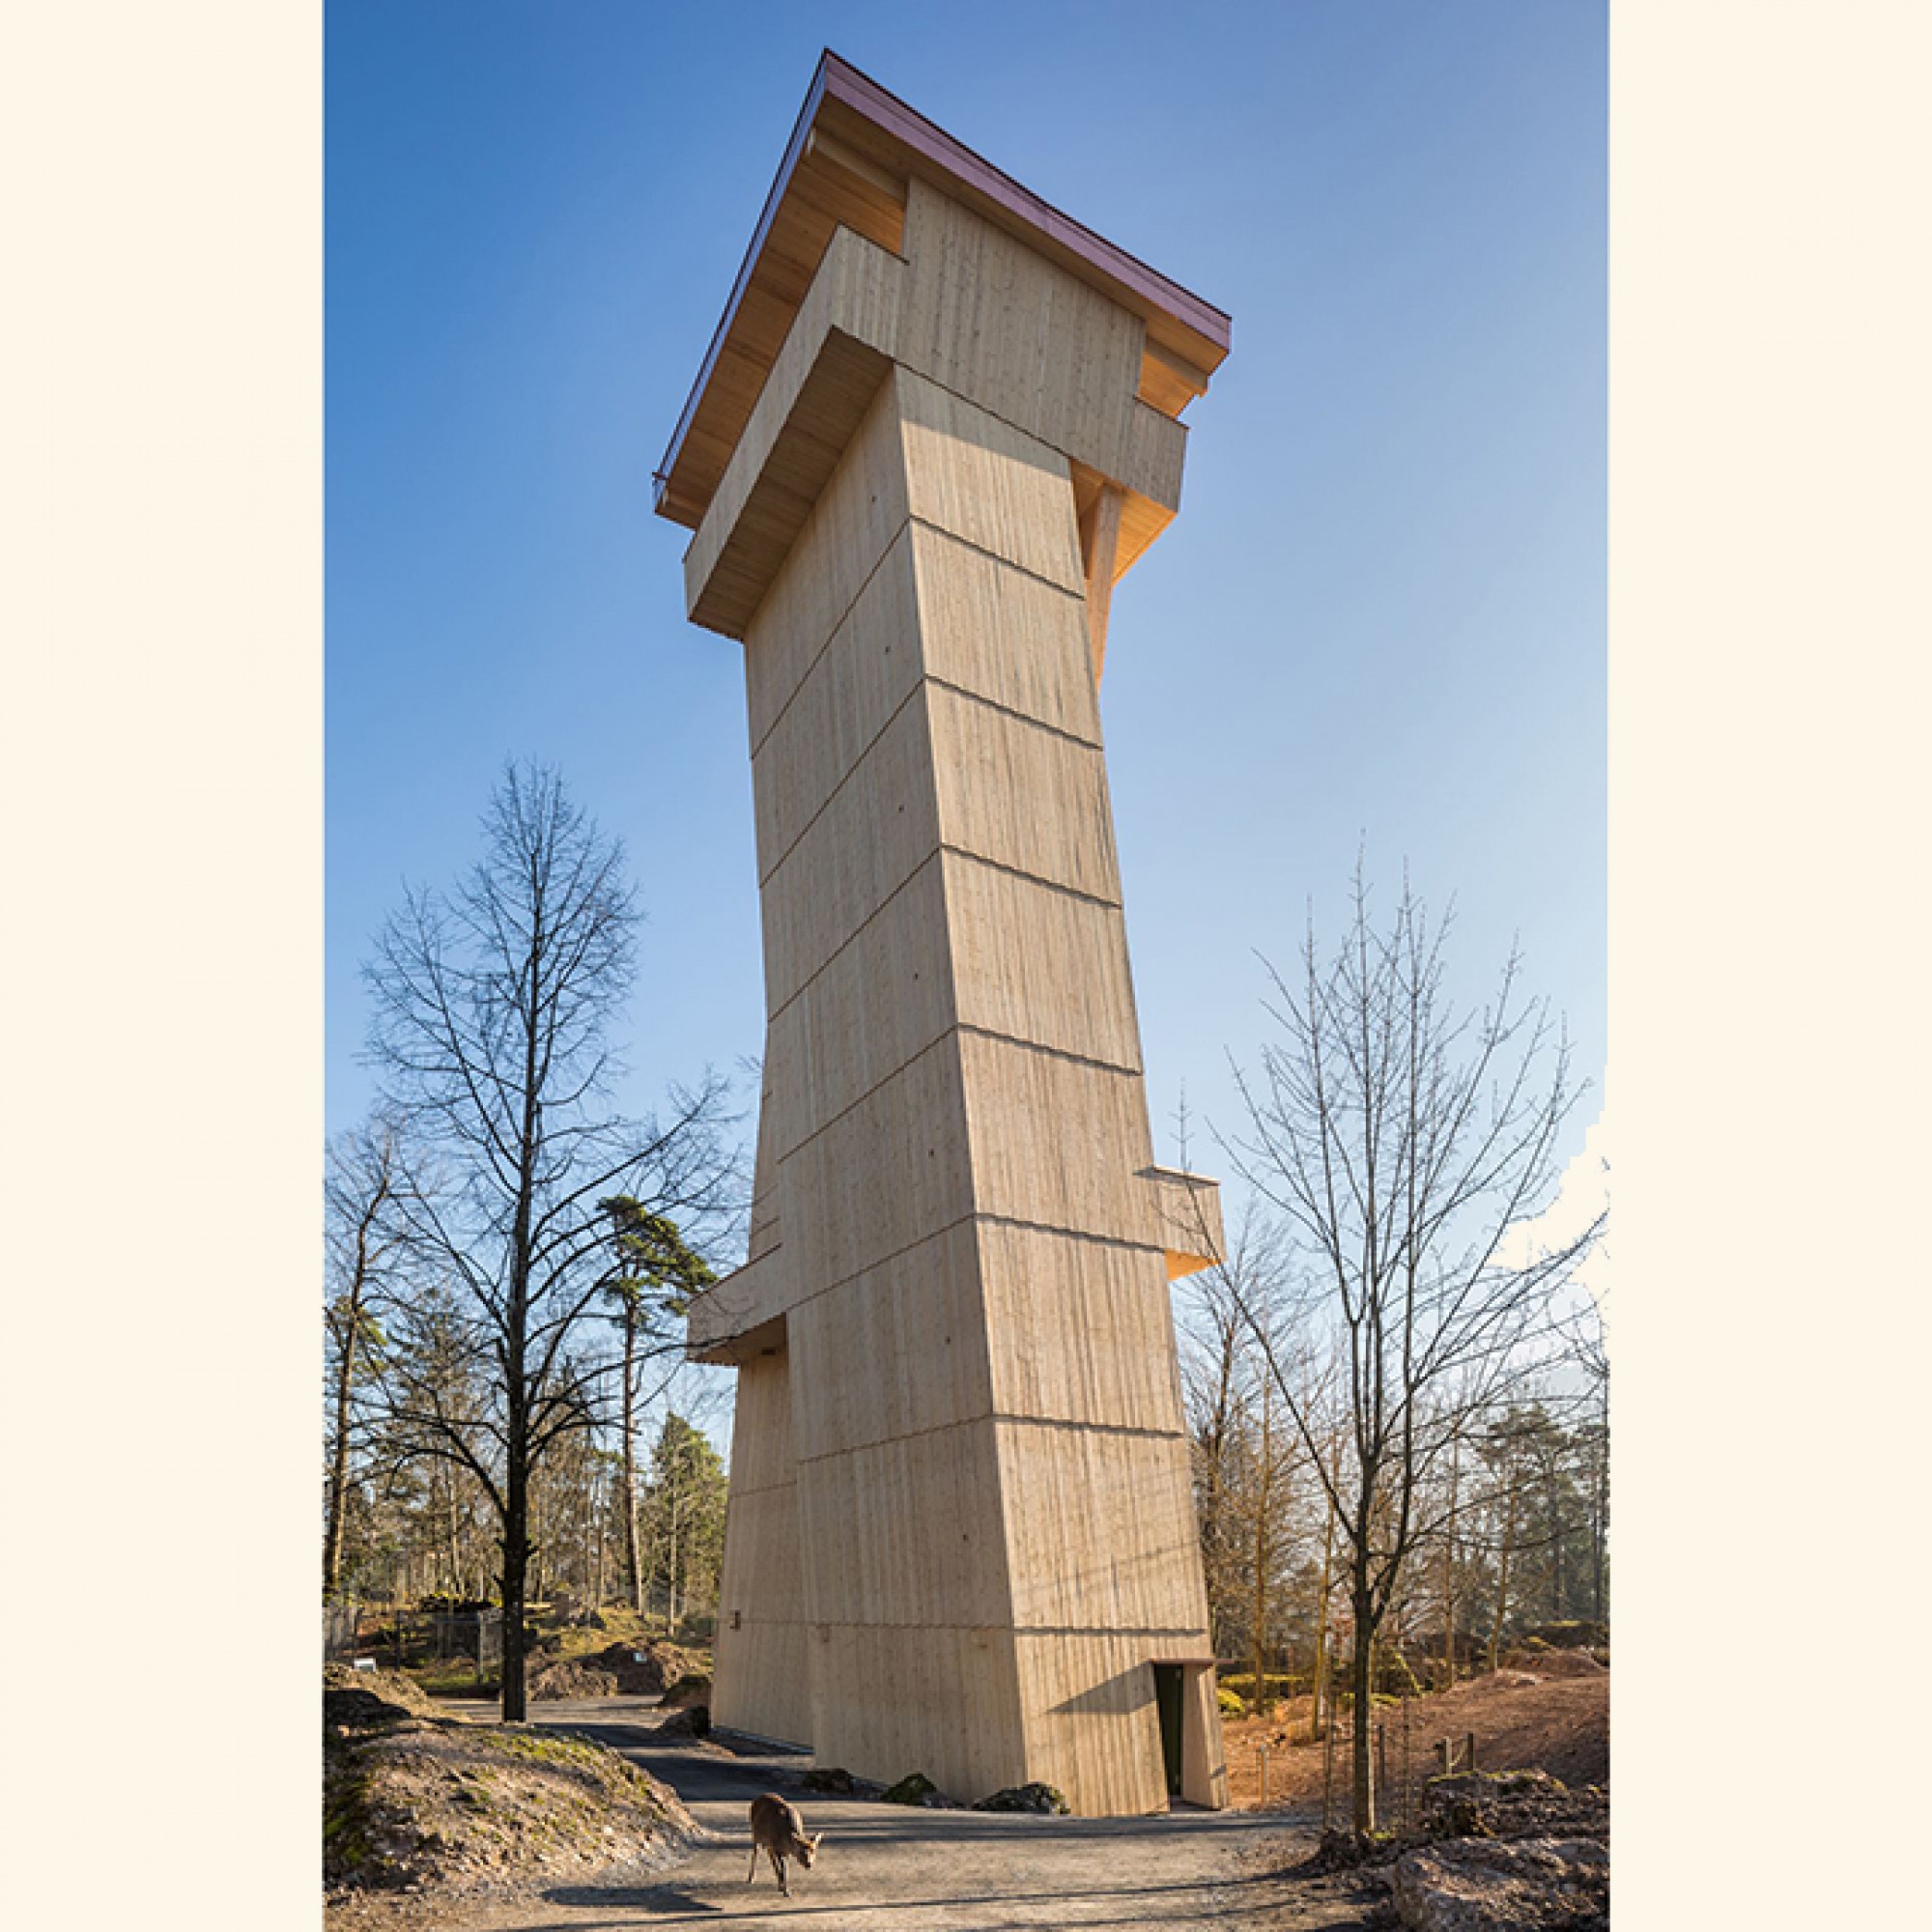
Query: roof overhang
{"points": [[851, 154]]}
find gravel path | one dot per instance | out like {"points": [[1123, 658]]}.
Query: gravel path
{"points": [[890, 1869]]}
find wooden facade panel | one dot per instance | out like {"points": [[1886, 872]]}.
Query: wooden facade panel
{"points": [[867, 671], [760, 1626], [889, 1173], [1004, 634], [907, 1531], [990, 317], [1157, 454], [839, 1039], [761, 1440], [1021, 796], [762, 1581], [764, 1230], [991, 485], [899, 1348], [1056, 1143], [1091, 1721], [763, 1682], [1080, 1331], [1039, 965], [873, 834], [1100, 1530], [862, 509], [943, 1702]]}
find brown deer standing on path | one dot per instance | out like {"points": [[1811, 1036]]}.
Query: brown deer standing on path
{"points": [[778, 1830]]}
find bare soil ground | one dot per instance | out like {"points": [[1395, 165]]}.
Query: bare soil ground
{"points": [[890, 1869], [1522, 1719], [893, 1868]]}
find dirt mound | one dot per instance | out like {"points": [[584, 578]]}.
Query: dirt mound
{"points": [[1555, 1663], [347, 1691], [434, 1803], [643, 1669], [555, 1679]]}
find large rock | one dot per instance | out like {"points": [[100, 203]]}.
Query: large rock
{"points": [[1045, 1798], [1478, 1885], [692, 1720], [916, 1788]]}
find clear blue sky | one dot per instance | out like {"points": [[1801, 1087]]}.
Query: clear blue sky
{"points": [[1379, 616]]}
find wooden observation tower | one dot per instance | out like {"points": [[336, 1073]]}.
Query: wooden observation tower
{"points": [[938, 422]]}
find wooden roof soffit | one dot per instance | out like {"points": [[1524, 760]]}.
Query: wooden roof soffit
{"points": [[850, 156]]}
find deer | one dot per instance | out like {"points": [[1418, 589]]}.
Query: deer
{"points": [[778, 1830]]}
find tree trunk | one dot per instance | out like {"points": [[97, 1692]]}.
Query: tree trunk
{"points": [[1449, 1574], [670, 1573], [1503, 1576], [516, 1572], [634, 1567], [1600, 1516], [338, 1469], [1362, 1684], [1261, 1698], [1325, 1662], [599, 1521]]}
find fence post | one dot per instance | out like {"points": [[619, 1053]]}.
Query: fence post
{"points": [[1408, 1771], [1472, 1752]]}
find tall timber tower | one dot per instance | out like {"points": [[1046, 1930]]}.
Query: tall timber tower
{"points": [[937, 423]]}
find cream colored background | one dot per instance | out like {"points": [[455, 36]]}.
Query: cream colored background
{"points": [[160, 806]]}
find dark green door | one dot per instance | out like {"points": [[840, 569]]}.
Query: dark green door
{"points": [[1167, 1702]]}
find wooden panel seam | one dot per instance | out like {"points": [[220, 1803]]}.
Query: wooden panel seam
{"points": [[966, 543], [986, 703], [1063, 1424], [1125, 1632]]}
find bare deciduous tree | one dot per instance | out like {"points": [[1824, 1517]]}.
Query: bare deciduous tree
{"points": [[1403, 1141], [493, 1010], [359, 1195]]}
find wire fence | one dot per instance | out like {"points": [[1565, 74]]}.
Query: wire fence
{"points": [[386, 1634], [1402, 1764]]}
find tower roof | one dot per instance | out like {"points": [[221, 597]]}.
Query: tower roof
{"points": [[851, 154]]}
